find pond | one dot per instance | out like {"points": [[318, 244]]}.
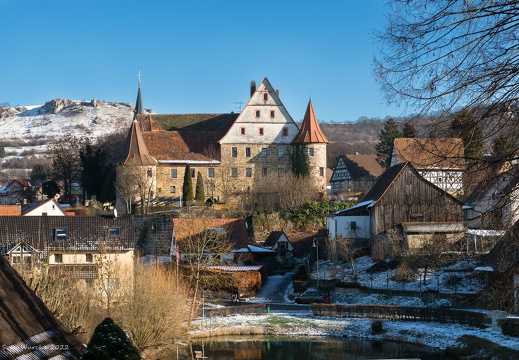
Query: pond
{"points": [[261, 348]]}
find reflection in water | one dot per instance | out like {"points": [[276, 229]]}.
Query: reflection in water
{"points": [[315, 349]]}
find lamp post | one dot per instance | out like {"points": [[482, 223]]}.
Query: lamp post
{"points": [[316, 246]]}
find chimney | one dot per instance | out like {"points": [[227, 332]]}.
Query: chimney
{"points": [[252, 87]]}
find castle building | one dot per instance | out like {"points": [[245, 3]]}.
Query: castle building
{"points": [[240, 156]]}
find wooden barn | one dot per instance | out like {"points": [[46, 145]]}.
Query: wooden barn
{"points": [[404, 204]]}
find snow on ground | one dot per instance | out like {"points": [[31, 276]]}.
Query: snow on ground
{"points": [[302, 323], [452, 279], [275, 289]]}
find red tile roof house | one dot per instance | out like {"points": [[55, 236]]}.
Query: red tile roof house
{"points": [[439, 160], [28, 330], [233, 230], [12, 191]]}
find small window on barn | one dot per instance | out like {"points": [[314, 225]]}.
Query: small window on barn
{"points": [[265, 96], [321, 171], [353, 225], [242, 131], [261, 131], [172, 189], [257, 113], [60, 234], [89, 258], [272, 114], [113, 231], [174, 173], [284, 132], [310, 151], [58, 258], [210, 172], [150, 172], [281, 152], [247, 152], [234, 152], [193, 174], [264, 152]]}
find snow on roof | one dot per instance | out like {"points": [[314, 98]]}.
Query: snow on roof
{"points": [[237, 268], [432, 227], [254, 249], [359, 205], [484, 268], [480, 232]]}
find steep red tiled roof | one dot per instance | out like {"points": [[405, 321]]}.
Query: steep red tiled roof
{"points": [[193, 122], [310, 131], [442, 153], [183, 145], [135, 149], [365, 165], [10, 210], [185, 228], [148, 124]]}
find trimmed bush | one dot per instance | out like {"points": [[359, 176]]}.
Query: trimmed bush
{"points": [[109, 342]]}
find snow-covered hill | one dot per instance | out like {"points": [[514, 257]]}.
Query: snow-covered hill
{"points": [[60, 117]]}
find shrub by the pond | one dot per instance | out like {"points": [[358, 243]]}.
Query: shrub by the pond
{"points": [[109, 342]]}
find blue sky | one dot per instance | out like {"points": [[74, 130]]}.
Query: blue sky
{"points": [[196, 56]]}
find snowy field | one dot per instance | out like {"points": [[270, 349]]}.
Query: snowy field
{"points": [[456, 278]]}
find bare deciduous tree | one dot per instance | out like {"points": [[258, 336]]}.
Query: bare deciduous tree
{"points": [[66, 163], [202, 243]]}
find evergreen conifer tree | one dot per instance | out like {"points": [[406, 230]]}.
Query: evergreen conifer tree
{"points": [[465, 126], [187, 187], [300, 161], [409, 130], [385, 146], [199, 189], [109, 342]]}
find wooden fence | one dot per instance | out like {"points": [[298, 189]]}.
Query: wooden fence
{"points": [[236, 310], [392, 312]]}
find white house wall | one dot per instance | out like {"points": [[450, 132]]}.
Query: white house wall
{"points": [[272, 126], [341, 226]]}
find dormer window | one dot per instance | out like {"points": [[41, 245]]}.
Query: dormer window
{"points": [[257, 113], [265, 96], [60, 234]]}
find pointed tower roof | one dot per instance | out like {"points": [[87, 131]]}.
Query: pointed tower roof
{"points": [[135, 150], [310, 132], [138, 104]]}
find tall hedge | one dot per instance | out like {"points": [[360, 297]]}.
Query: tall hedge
{"points": [[187, 187]]}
